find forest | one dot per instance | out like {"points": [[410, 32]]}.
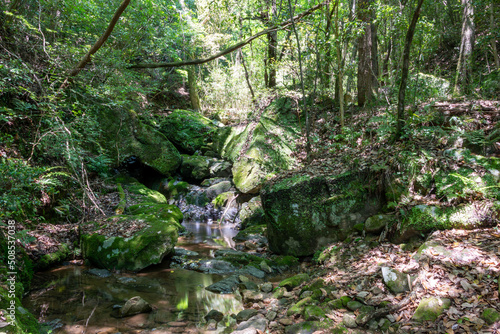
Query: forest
{"points": [[260, 166]]}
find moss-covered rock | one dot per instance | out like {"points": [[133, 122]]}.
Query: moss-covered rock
{"points": [[313, 312], [19, 320], [304, 213], [294, 281], [189, 131], [146, 247], [222, 200], [375, 224], [126, 135], [490, 315], [215, 190], [431, 308], [195, 167], [51, 259], [259, 149], [298, 308], [395, 281]]}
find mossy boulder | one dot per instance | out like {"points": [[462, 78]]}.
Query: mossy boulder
{"points": [[396, 281], [126, 136], [259, 149], [490, 315], [294, 281], [422, 219], [375, 224], [189, 131], [431, 308], [145, 247], [215, 190], [195, 167], [298, 308], [313, 312], [54, 258], [306, 213]]}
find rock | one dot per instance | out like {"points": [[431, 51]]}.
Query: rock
{"points": [[335, 304], [216, 266], [254, 272], [195, 167], [259, 149], [266, 287], [299, 307], [250, 296], [215, 315], [490, 315], [249, 285], [184, 252], [435, 248], [375, 224], [217, 189], [286, 321], [227, 285], [395, 281], [431, 308], [127, 136], [306, 327], [294, 281], [224, 200], [306, 213], [313, 312], [271, 315], [265, 267], [145, 247], [258, 322], [103, 273], [353, 305], [246, 314], [251, 213], [250, 330], [220, 168], [349, 320], [188, 130], [135, 305], [364, 315]]}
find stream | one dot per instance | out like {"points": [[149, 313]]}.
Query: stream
{"points": [[80, 299]]}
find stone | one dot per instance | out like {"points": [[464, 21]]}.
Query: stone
{"points": [[195, 167], [376, 224], [250, 296], [214, 315], [305, 214], [251, 270], [135, 305], [217, 189], [490, 316], [188, 130], [294, 281], [265, 267], [313, 313], [251, 213], [298, 308], [266, 287], [216, 266], [271, 315], [349, 320], [395, 281], [103, 273], [306, 327], [258, 322], [249, 285], [285, 321], [353, 305], [227, 285], [250, 330], [431, 308], [246, 314]]}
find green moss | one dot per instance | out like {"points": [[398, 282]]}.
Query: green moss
{"points": [[165, 212], [430, 309], [490, 315], [298, 308], [51, 259], [23, 322], [294, 281]]}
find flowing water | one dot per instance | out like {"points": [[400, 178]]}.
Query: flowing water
{"points": [[74, 300]]}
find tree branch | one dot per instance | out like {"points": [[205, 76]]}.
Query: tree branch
{"points": [[233, 47]]}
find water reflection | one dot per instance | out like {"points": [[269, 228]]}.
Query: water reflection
{"points": [[81, 300], [211, 232]]}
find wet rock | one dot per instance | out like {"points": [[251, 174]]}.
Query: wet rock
{"points": [[249, 285], [227, 285], [266, 287], [395, 281], [184, 252], [103, 273], [431, 308], [349, 320], [306, 327], [258, 322], [490, 315], [294, 281], [254, 272], [135, 305], [251, 213], [215, 266], [246, 314]]}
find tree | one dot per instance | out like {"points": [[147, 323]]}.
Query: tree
{"points": [[366, 56], [405, 70], [464, 68]]}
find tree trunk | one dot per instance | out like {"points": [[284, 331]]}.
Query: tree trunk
{"points": [[272, 45], [365, 77], [404, 73], [493, 30], [375, 71], [464, 68], [193, 89]]}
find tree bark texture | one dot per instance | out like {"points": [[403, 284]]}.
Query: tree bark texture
{"points": [[405, 70], [365, 77], [193, 89], [272, 45], [464, 68]]}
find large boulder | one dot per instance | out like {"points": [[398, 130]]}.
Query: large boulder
{"points": [[135, 240], [306, 213], [126, 136], [189, 131], [259, 149]]}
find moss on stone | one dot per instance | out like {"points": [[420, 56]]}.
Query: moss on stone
{"points": [[298, 308], [313, 312], [51, 259], [23, 321], [294, 281], [165, 212], [490, 315], [431, 308]]}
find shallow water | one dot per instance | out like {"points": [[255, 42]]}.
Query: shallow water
{"points": [[80, 302]]}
